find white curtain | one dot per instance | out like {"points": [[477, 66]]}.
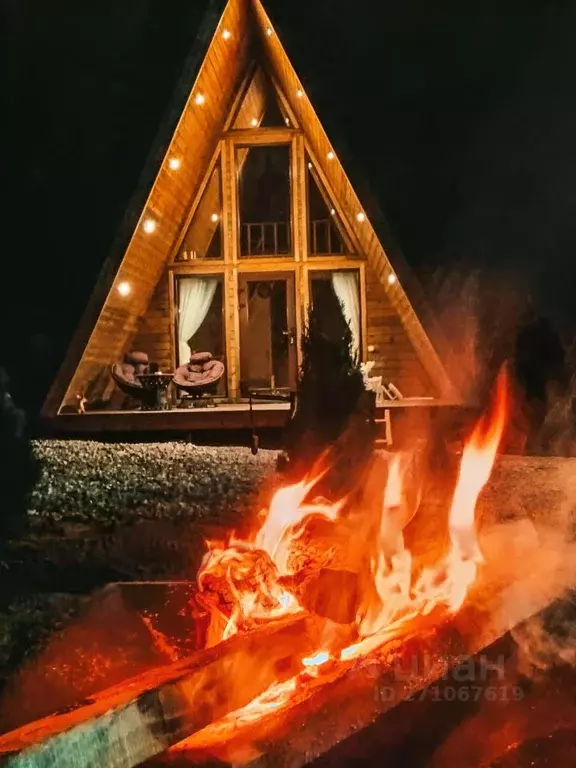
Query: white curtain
{"points": [[196, 295], [347, 290]]}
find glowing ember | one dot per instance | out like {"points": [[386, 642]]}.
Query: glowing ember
{"points": [[259, 575]]}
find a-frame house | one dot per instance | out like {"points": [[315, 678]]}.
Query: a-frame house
{"points": [[245, 217]]}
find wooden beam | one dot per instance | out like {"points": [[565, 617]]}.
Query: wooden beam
{"points": [[231, 247], [261, 135], [130, 723]]}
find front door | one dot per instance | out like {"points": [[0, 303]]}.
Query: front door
{"points": [[267, 331]]}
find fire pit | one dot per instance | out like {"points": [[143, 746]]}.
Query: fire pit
{"points": [[326, 616]]}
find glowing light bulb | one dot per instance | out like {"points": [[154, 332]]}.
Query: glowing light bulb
{"points": [[299, 93], [269, 31], [330, 155], [215, 217], [310, 166], [360, 217], [332, 212], [174, 163], [253, 122], [149, 226], [199, 99], [287, 120], [391, 278], [226, 34], [124, 288]]}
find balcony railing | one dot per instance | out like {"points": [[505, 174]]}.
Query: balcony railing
{"points": [[324, 238], [265, 238], [272, 238]]}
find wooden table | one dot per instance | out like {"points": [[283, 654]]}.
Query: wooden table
{"points": [[157, 385]]}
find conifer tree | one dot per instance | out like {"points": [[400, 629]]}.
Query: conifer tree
{"points": [[331, 392]]}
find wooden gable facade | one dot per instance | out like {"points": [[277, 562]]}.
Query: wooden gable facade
{"points": [[243, 111]]}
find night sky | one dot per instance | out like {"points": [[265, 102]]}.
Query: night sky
{"points": [[462, 115]]}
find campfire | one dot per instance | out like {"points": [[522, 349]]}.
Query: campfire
{"points": [[325, 615], [378, 588]]}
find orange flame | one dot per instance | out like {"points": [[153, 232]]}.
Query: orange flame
{"points": [[393, 592]]}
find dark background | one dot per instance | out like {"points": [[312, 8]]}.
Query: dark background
{"points": [[462, 114]]}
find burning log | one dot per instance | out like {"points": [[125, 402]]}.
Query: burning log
{"points": [[320, 712], [130, 723]]}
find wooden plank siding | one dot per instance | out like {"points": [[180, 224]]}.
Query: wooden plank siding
{"points": [[340, 188], [106, 331], [154, 335], [394, 355]]}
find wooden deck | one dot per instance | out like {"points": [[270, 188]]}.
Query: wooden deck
{"points": [[393, 418], [229, 416]]}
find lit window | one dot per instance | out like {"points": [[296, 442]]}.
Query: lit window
{"points": [[149, 226]]}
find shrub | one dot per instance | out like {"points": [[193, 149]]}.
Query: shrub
{"points": [[19, 468]]}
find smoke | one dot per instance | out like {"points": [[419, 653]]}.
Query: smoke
{"points": [[548, 640]]}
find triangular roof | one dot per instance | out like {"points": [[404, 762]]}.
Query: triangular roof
{"points": [[208, 94]]}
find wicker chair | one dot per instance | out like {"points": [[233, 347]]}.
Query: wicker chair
{"points": [[125, 376], [200, 376]]}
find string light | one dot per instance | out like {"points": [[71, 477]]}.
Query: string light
{"points": [[269, 31], [253, 122], [332, 212], [391, 278], [310, 166], [299, 93], [124, 288], [330, 155], [149, 226], [226, 34], [360, 216], [199, 99], [215, 217], [174, 163], [287, 120]]}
